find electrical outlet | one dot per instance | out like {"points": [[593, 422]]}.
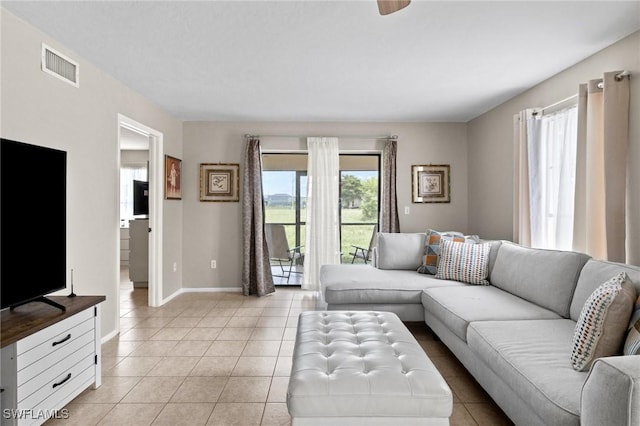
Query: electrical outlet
{"points": [[406, 209], [213, 264], [175, 266]]}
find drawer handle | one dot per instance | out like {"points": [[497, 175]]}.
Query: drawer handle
{"points": [[62, 381], [62, 341]]}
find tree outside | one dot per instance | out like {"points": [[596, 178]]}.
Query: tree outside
{"points": [[369, 204], [351, 190]]}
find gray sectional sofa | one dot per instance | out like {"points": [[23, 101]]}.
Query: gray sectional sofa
{"points": [[514, 336]]}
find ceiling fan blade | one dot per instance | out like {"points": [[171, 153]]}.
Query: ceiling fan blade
{"points": [[389, 6]]}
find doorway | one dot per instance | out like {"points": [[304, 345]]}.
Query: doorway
{"points": [[134, 218], [138, 132]]}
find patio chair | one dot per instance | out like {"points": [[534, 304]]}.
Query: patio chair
{"points": [[364, 253], [279, 250]]}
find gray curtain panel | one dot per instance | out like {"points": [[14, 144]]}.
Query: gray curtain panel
{"points": [[389, 220], [256, 270]]}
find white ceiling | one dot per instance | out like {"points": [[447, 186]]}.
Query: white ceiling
{"points": [[331, 60]]}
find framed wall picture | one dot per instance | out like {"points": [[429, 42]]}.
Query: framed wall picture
{"points": [[430, 184], [219, 182], [172, 178]]}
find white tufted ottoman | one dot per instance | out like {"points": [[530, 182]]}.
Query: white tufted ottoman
{"points": [[363, 368]]}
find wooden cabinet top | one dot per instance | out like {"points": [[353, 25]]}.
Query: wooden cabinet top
{"points": [[27, 319]]}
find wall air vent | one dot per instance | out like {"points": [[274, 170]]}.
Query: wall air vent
{"points": [[58, 65]]}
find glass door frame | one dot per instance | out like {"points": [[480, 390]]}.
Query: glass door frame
{"points": [[300, 221], [377, 222]]}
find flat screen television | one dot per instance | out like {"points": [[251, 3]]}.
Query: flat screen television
{"points": [[33, 222], [140, 198]]}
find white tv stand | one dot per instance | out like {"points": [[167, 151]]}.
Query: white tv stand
{"points": [[48, 357]]}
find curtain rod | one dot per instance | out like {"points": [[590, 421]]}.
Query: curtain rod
{"points": [[622, 75], [555, 104], [618, 77], [387, 137]]}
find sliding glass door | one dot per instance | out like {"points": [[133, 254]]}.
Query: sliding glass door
{"points": [[284, 181], [284, 187], [359, 205]]}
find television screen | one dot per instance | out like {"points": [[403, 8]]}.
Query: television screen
{"points": [[33, 222], [140, 198]]}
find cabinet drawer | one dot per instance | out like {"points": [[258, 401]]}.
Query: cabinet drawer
{"points": [[53, 333], [54, 344], [61, 384], [72, 389]]}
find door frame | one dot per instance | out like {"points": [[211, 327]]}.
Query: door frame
{"points": [[156, 191]]}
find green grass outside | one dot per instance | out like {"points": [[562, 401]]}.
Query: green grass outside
{"points": [[358, 235]]}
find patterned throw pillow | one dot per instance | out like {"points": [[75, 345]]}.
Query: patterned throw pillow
{"points": [[431, 254], [602, 322], [468, 263], [632, 344]]}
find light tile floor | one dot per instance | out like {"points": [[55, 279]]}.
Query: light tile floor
{"points": [[224, 359]]}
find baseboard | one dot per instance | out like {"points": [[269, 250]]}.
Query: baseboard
{"points": [[109, 336], [201, 290], [211, 289], [171, 297]]}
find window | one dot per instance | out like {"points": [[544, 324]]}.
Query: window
{"points": [[129, 173], [552, 143]]}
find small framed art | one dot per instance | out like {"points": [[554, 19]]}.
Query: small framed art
{"points": [[172, 178], [430, 184], [219, 182]]}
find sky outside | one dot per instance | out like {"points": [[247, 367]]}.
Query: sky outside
{"points": [[279, 182]]}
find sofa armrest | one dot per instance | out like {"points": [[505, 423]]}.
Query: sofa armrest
{"points": [[611, 393], [373, 257]]}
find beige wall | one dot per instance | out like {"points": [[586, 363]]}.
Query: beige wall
{"points": [[214, 230], [490, 139], [134, 156], [40, 109]]}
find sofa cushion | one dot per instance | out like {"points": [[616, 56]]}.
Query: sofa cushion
{"points": [[594, 273], [602, 324], [468, 263], [342, 284], [431, 252], [459, 306], [493, 254], [399, 250], [632, 341], [544, 277], [531, 358]]}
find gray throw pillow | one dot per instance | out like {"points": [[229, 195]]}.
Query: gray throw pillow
{"points": [[400, 250]]}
